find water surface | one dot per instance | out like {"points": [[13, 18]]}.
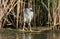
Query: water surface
{"points": [[24, 35]]}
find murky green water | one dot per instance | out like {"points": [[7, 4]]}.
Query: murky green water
{"points": [[23, 35]]}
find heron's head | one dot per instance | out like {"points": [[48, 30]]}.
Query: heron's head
{"points": [[30, 9]]}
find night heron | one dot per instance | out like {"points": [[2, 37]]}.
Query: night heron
{"points": [[28, 16]]}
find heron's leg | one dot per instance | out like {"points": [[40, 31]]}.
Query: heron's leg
{"points": [[30, 26], [23, 27]]}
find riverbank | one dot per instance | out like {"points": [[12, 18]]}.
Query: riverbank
{"points": [[38, 29]]}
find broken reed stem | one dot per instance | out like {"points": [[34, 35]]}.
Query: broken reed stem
{"points": [[18, 11]]}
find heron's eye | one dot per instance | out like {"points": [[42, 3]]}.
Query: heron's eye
{"points": [[31, 10]]}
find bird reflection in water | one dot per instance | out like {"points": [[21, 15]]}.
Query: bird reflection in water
{"points": [[27, 36]]}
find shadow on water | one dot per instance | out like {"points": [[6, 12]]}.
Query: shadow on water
{"points": [[24, 35]]}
